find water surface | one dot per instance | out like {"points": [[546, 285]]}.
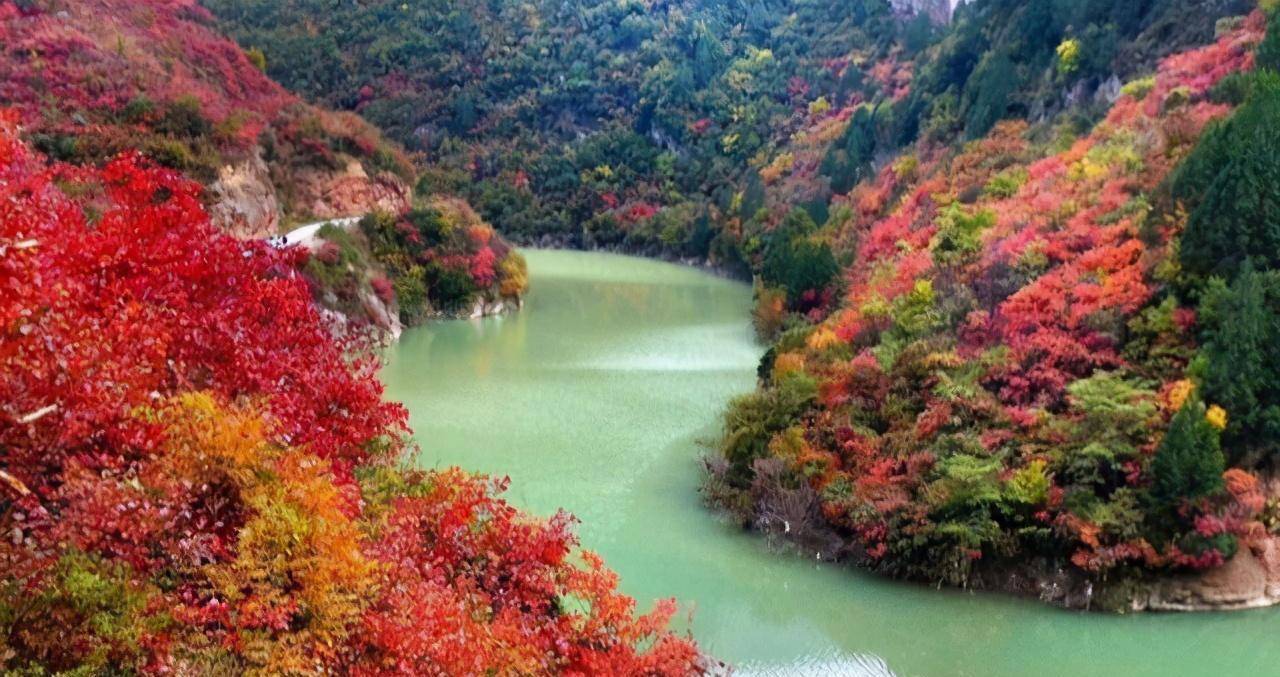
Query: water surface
{"points": [[594, 399]]}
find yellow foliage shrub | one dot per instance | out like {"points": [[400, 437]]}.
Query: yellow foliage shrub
{"points": [[787, 363], [822, 339], [1177, 395], [514, 275], [789, 444], [775, 170], [290, 610], [770, 311], [1216, 416]]}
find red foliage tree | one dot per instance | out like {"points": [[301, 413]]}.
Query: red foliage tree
{"points": [[180, 429]]}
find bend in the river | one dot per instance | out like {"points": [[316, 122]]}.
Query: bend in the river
{"points": [[593, 399]]}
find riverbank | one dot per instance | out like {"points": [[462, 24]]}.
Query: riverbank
{"points": [[598, 398], [384, 272], [789, 517]]}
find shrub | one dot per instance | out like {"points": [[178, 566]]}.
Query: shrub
{"points": [[257, 58], [513, 275], [752, 420], [848, 160], [450, 288], [1068, 52], [430, 225], [1138, 89], [770, 311], [382, 287], [959, 234], [797, 262], [411, 294], [1006, 183], [184, 118]]}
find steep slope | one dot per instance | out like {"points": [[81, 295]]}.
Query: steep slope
{"points": [[1015, 388], [610, 124], [92, 78], [197, 477], [647, 125]]}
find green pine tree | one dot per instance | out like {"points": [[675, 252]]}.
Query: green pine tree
{"points": [[1187, 466], [1268, 53], [1228, 184], [1240, 361]]}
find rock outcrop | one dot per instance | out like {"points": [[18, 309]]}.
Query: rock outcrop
{"points": [[243, 199], [246, 202], [938, 11], [1248, 580], [349, 191]]}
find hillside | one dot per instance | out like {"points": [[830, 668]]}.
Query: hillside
{"points": [[966, 238], [596, 124], [91, 80], [648, 125], [1046, 369], [94, 78], [197, 477]]}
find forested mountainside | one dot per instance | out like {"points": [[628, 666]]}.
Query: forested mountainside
{"points": [[660, 126], [1018, 267], [1050, 366], [197, 474]]}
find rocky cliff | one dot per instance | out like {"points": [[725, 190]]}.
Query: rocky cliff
{"points": [[939, 11], [250, 201], [325, 194]]}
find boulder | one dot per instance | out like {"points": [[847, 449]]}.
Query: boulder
{"points": [[1249, 579]]}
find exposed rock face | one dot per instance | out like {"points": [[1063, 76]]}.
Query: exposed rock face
{"points": [[939, 11], [243, 199], [1250, 579], [351, 191], [384, 316], [487, 308]]}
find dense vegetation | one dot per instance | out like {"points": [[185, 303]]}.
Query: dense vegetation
{"points": [[665, 126], [1023, 318], [93, 78], [594, 123], [442, 258], [197, 477], [437, 259], [1049, 350], [1012, 326]]}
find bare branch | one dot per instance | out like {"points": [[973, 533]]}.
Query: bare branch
{"points": [[38, 414], [14, 484]]}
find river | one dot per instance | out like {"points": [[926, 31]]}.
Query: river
{"points": [[595, 398]]}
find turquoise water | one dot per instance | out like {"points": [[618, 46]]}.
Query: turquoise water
{"points": [[594, 398]]}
